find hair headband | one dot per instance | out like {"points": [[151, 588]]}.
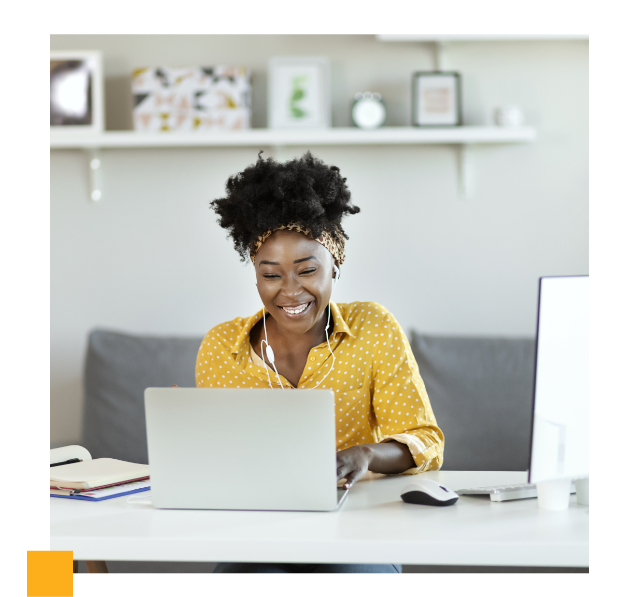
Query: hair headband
{"points": [[336, 247]]}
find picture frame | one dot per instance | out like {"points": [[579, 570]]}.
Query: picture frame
{"points": [[87, 115], [299, 93], [76, 93], [436, 99]]}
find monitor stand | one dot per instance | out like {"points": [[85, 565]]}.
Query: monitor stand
{"points": [[593, 491]]}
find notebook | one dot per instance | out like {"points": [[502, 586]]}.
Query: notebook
{"points": [[74, 472], [96, 495]]}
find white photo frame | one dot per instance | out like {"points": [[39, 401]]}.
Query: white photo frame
{"points": [[299, 93], [89, 71], [436, 99]]}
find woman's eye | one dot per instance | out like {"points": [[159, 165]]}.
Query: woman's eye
{"points": [[274, 276]]}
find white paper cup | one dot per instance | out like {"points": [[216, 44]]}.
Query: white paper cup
{"points": [[554, 495]]}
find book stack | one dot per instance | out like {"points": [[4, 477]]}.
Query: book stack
{"points": [[75, 475]]}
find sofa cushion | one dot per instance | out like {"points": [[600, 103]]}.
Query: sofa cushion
{"points": [[118, 368], [481, 392]]}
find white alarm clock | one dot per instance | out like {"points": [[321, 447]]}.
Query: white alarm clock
{"points": [[368, 110]]}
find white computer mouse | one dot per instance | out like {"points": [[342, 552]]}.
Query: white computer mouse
{"points": [[428, 493]]}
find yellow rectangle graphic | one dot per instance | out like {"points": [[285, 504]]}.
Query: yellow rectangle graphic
{"points": [[49, 574]]}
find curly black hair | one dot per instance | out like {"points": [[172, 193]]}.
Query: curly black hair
{"points": [[269, 194]]}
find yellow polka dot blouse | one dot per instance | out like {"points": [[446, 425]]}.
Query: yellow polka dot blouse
{"points": [[379, 394]]}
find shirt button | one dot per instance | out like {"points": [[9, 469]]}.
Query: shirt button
{"points": [[312, 358]]}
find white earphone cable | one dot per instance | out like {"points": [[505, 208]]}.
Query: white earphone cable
{"points": [[270, 356], [269, 350], [331, 351], [332, 366], [266, 368]]}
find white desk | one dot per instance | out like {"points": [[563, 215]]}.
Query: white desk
{"points": [[373, 526]]}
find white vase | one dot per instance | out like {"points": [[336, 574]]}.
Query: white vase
{"points": [[509, 116]]}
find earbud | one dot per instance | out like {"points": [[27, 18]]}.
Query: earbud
{"points": [[336, 272]]}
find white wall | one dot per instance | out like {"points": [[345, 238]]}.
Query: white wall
{"points": [[149, 258]]}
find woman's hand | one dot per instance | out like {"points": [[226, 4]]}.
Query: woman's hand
{"points": [[352, 464]]}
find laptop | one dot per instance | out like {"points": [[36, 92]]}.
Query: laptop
{"points": [[242, 449]]}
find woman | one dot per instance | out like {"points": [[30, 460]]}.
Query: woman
{"points": [[287, 219]]}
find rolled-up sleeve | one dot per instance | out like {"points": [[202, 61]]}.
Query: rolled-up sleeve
{"points": [[400, 402]]}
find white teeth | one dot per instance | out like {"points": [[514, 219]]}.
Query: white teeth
{"points": [[295, 310]]}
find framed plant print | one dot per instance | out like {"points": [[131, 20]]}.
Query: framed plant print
{"points": [[299, 93]]}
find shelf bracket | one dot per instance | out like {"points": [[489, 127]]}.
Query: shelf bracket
{"points": [[440, 52], [95, 169], [465, 171]]}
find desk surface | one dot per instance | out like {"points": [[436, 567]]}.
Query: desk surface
{"points": [[373, 526]]}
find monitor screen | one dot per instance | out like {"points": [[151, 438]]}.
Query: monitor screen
{"points": [[559, 445]]}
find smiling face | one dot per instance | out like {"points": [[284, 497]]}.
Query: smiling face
{"points": [[294, 275]]}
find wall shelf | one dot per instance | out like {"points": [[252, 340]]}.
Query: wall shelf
{"points": [[280, 138], [462, 136], [426, 37]]}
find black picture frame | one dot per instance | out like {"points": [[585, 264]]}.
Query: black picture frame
{"points": [[421, 113]]}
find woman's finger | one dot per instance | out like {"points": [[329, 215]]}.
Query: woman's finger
{"points": [[343, 470], [352, 478]]}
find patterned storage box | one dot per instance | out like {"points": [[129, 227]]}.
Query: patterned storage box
{"points": [[193, 98]]}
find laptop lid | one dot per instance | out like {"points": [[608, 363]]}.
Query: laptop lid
{"points": [[242, 449]]}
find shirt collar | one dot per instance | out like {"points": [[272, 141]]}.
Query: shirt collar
{"points": [[340, 323], [241, 346]]}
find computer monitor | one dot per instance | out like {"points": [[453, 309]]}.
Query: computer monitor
{"points": [[559, 436]]}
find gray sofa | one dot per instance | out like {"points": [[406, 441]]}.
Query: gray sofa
{"points": [[480, 390]]}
